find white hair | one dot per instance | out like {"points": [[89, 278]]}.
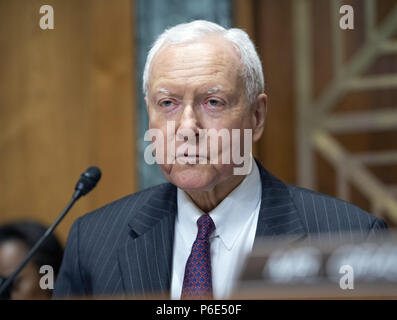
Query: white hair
{"points": [[186, 32]]}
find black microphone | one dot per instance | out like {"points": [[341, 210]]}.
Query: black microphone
{"points": [[88, 180]]}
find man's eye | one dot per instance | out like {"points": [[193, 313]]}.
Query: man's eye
{"points": [[166, 103], [214, 103]]}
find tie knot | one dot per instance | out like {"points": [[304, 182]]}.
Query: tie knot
{"points": [[205, 227]]}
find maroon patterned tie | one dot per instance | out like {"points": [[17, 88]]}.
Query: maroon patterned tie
{"points": [[197, 283]]}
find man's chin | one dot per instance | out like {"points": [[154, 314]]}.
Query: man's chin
{"points": [[193, 177]]}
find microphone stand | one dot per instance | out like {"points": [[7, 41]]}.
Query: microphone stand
{"points": [[6, 294], [87, 181], [37, 245]]}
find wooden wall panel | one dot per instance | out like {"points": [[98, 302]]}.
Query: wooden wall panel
{"points": [[273, 34], [66, 102]]}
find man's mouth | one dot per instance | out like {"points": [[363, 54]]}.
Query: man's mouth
{"points": [[185, 157]]}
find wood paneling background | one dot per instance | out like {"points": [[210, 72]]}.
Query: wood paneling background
{"points": [[273, 33], [66, 102]]}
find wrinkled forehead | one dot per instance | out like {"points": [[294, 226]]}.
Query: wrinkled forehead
{"points": [[208, 60]]}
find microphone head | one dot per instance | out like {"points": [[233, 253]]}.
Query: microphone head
{"points": [[88, 180]]}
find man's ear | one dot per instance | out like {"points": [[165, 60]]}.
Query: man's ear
{"points": [[147, 102], [259, 116]]}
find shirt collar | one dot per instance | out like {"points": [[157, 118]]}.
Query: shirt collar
{"points": [[230, 215]]}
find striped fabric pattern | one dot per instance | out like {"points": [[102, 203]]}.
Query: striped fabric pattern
{"points": [[125, 248]]}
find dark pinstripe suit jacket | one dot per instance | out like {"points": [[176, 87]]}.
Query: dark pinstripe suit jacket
{"points": [[125, 248]]}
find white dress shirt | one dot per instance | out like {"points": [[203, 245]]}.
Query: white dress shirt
{"points": [[235, 220]]}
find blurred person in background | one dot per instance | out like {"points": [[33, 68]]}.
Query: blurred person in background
{"points": [[16, 239]]}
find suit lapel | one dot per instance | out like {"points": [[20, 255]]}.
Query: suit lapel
{"points": [[278, 215], [146, 257]]}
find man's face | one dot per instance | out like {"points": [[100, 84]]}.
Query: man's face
{"points": [[198, 85]]}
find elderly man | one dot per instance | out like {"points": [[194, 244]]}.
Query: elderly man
{"points": [[189, 238]]}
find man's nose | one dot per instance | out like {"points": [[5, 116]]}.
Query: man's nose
{"points": [[189, 123]]}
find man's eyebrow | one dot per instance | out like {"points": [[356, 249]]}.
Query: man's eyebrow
{"points": [[162, 90], [214, 89], [210, 91]]}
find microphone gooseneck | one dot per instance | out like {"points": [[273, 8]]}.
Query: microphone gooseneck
{"points": [[88, 180]]}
